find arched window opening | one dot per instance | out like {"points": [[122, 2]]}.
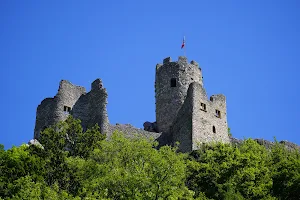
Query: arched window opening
{"points": [[214, 129]]}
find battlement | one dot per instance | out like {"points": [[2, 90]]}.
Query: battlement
{"points": [[218, 101], [167, 60], [181, 59], [97, 84], [217, 98]]}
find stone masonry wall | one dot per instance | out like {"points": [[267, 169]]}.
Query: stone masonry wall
{"points": [[170, 99], [91, 107], [44, 115], [207, 126], [51, 110], [182, 127], [194, 122]]}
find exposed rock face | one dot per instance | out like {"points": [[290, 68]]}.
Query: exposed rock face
{"points": [[36, 143], [130, 131], [266, 143], [290, 145]]}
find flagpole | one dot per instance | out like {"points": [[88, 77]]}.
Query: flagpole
{"points": [[183, 46]]}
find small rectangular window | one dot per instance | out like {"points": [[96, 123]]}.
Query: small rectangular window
{"points": [[173, 82], [218, 114], [67, 109], [203, 106]]}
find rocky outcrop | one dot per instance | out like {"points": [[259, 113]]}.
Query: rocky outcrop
{"points": [[266, 143], [129, 131], [36, 143]]}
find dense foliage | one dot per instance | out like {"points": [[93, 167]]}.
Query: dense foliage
{"points": [[77, 164]]}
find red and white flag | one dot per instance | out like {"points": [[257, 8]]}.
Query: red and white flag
{"points": [[183, 42]]}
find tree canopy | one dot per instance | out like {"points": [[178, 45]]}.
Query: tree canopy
{"points": [[77, 164]]}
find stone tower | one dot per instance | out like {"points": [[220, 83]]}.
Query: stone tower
{"points": [[172, 80], [183, 111]]}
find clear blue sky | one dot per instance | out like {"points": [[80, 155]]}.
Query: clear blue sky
{"points": [[248, 50]]}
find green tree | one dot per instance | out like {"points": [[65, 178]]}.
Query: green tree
{"points": [[17, 162], [25, 188], [223, 171], [61, 141], [132, 169], [286, 172]]}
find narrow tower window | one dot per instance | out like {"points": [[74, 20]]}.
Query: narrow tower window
{"points": [[218, 114], [214, 129], [173, 82], [203, 106]]}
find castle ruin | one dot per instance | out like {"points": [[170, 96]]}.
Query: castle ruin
{"points": [[184, 113]]}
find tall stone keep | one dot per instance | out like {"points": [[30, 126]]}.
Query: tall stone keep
{"points": [[184, 113], [172, 80]]}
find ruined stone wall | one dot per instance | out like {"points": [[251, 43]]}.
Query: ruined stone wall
{"points": [[182, 126], [180, 114], [195, 121], [51, 110], [44, 115], [170, 99], [91, 107], [207, 125]]}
